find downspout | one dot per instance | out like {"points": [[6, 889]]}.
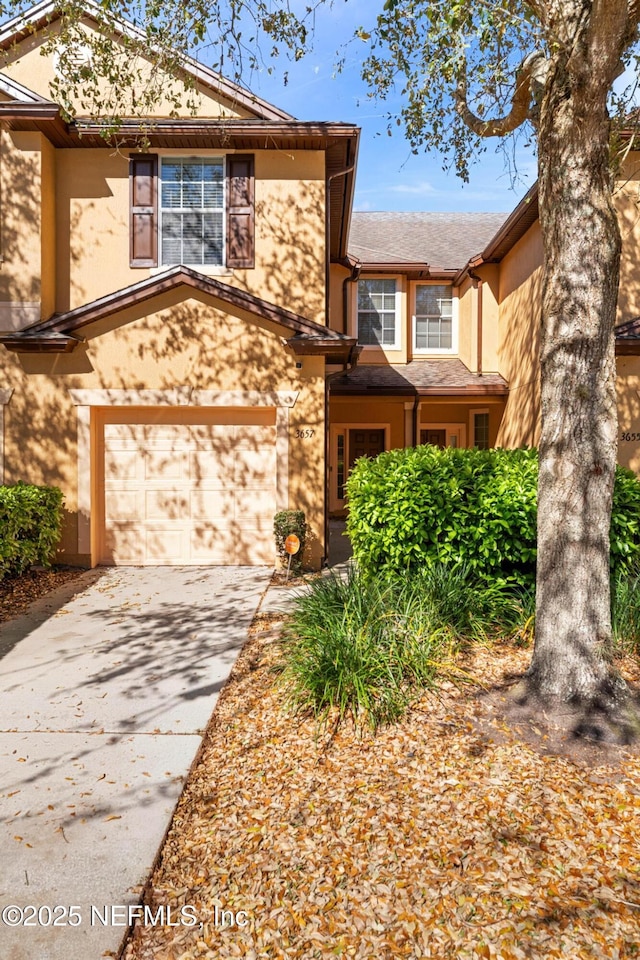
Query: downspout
{"points": [[416, 412], [333, 176], [327, 283], [351, 362], [477, 283]]}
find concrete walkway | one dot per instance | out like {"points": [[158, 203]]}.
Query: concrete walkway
{"points": [[105, 690]]}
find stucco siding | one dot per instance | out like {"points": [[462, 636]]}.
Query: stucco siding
{"points": [[193, 345], [520, 294]]}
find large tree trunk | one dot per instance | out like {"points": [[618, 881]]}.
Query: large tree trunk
{"points": [[578, 442]]}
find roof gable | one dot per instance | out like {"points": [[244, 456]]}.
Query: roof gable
{"points": [[62, 333], [46, 15], [18, 93]]}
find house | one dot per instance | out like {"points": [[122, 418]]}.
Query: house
{"points": [[197, 332], [163, 314], [449, 337]]}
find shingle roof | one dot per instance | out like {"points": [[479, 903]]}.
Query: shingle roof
{"points": [[445, 240], [630, 330], [430, 376], [628, 337]]}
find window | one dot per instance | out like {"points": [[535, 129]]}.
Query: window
{"points": [[377, 313], [481, 431], [433, 320], [340, 468], [192, 212], [196, 211]]}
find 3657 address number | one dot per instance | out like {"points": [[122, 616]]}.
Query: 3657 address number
{"points": [[304, 433], [625, 435]]}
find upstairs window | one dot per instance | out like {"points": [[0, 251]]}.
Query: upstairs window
{"points": [[378, 314], [196, 211], [434, 330], [192, 212]]}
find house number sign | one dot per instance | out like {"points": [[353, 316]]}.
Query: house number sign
{"points": [[630, 437], [304, 433]]}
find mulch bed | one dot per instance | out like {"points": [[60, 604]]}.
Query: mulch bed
{"points": [[450, 835], [17, 593]]}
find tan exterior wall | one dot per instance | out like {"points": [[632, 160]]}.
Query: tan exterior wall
{"points": [[519, 293], [192, 344], [627, 200], [26, 64], [628, 387], [468, 324], [337, 293], [490, 319], [48, 230], [92, 204], [290, 232], [21, 237], [458, 412]]}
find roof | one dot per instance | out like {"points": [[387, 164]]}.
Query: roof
{"points": [[42, 14], [62, 332], [267, 128], [628, 337], [512, 229], [419, 378], [18, 93], [441, 240]]}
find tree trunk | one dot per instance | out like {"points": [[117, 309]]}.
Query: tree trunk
{"points": [[578, 442]]}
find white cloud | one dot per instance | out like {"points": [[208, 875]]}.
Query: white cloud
{"points": [[421, 188]]}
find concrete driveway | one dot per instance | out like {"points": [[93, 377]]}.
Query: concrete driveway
{"points": [[106, 688]]}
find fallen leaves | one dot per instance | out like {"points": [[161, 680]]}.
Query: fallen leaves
{"points": [[442, 837], [17, 593]]}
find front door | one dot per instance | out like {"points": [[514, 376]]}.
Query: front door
{"points": [[365, 443], [438, 438]]}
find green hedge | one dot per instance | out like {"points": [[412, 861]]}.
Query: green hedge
{"points": [[472, 507], [30, 526]]}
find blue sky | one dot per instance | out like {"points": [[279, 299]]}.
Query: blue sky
{"points": [[389, 176]]}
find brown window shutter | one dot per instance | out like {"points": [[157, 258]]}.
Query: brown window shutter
{"points": [[240, 210], [143, 188]]}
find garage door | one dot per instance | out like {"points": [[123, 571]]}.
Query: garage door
{"points": [[190, 493]]}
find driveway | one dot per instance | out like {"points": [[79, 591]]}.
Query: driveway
{"points": [[106, 688]]}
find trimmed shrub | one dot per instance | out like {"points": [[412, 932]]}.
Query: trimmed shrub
{"points": [[30, 526], [285, 523], [476, 508]]}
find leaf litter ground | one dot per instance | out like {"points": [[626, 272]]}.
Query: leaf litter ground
{"points": [[451, 834]]}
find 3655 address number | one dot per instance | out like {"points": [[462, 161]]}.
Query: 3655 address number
{"points": [[626, 436]]}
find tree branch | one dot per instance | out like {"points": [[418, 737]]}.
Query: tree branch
{"points": [[633, 8], [520, 104]]}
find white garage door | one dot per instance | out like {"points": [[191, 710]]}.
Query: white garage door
{"points": [[190, 493]]}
